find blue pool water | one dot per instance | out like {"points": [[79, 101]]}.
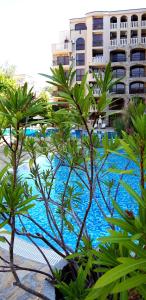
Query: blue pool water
{"points": [[96, 224], [75, 133]]}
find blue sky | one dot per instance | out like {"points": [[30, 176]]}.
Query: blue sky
{"points": [[28, 27]]}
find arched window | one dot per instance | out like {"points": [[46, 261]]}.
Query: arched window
{"points": [[80, 26], [80, 44], [137, 71], [137, 54], [113, 20], [134, 18], [118, 72], [123, 19], [118, 56], [119, 88], [137, 87]]}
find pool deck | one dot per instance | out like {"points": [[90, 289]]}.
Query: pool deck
{"points": [[28, 255]]}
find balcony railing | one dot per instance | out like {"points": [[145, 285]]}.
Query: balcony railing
{"points": [[134, 41], [113, 42], [123, 42], [143, 40], [134, 24], [113, 25], [143, 23], [62, 47], [97, 59], [123, 24]]}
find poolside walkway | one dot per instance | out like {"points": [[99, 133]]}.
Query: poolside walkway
{"points": [[27, 255]]}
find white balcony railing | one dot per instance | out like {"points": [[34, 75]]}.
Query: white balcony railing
{"points": [[134, 24], [134, 41], [143, 40], [62, 47], [97, 59], [123, 42], [113, 42], [143, 23], [113, 25], [123, 24]]}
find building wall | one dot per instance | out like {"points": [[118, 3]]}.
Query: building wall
{"points": [[126, 40]]}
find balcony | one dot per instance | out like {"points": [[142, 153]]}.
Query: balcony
{"points": [[113, 25], [123, 24], [98, 59], [123, 42], [62, 47], [143, 23], [134, 24], [134, 41], [143, 40], [113, 42]]}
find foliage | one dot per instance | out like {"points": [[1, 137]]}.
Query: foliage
{"points": [[118, 265]]}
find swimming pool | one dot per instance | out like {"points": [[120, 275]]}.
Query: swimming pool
{"points": [[32, 132], [96, 224]]}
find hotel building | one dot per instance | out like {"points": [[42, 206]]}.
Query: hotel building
{"points": [[100, 37]]}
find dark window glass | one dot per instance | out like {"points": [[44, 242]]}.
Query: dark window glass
{"points": [[137, 55], [118, 57], [97, 40], [117, 104], [80, 26], [79, 74], [119, 88], [63, 60], [80, 44], [137, 72], [97, 23], [80, 59], [137, 87], [119, 72]]}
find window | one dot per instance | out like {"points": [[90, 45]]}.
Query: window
{"points": [[134, 18], [97, 23], [137, 55], [80, 44], [97, 40], [113, 20], [134, 33], [137, 72], [118, 56], [80, 26], [113, 35], [117, 104], [124, 19], [136, 87], [79, 74], [80, 59], [63, 60], [119, 72], [119, 88]]}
